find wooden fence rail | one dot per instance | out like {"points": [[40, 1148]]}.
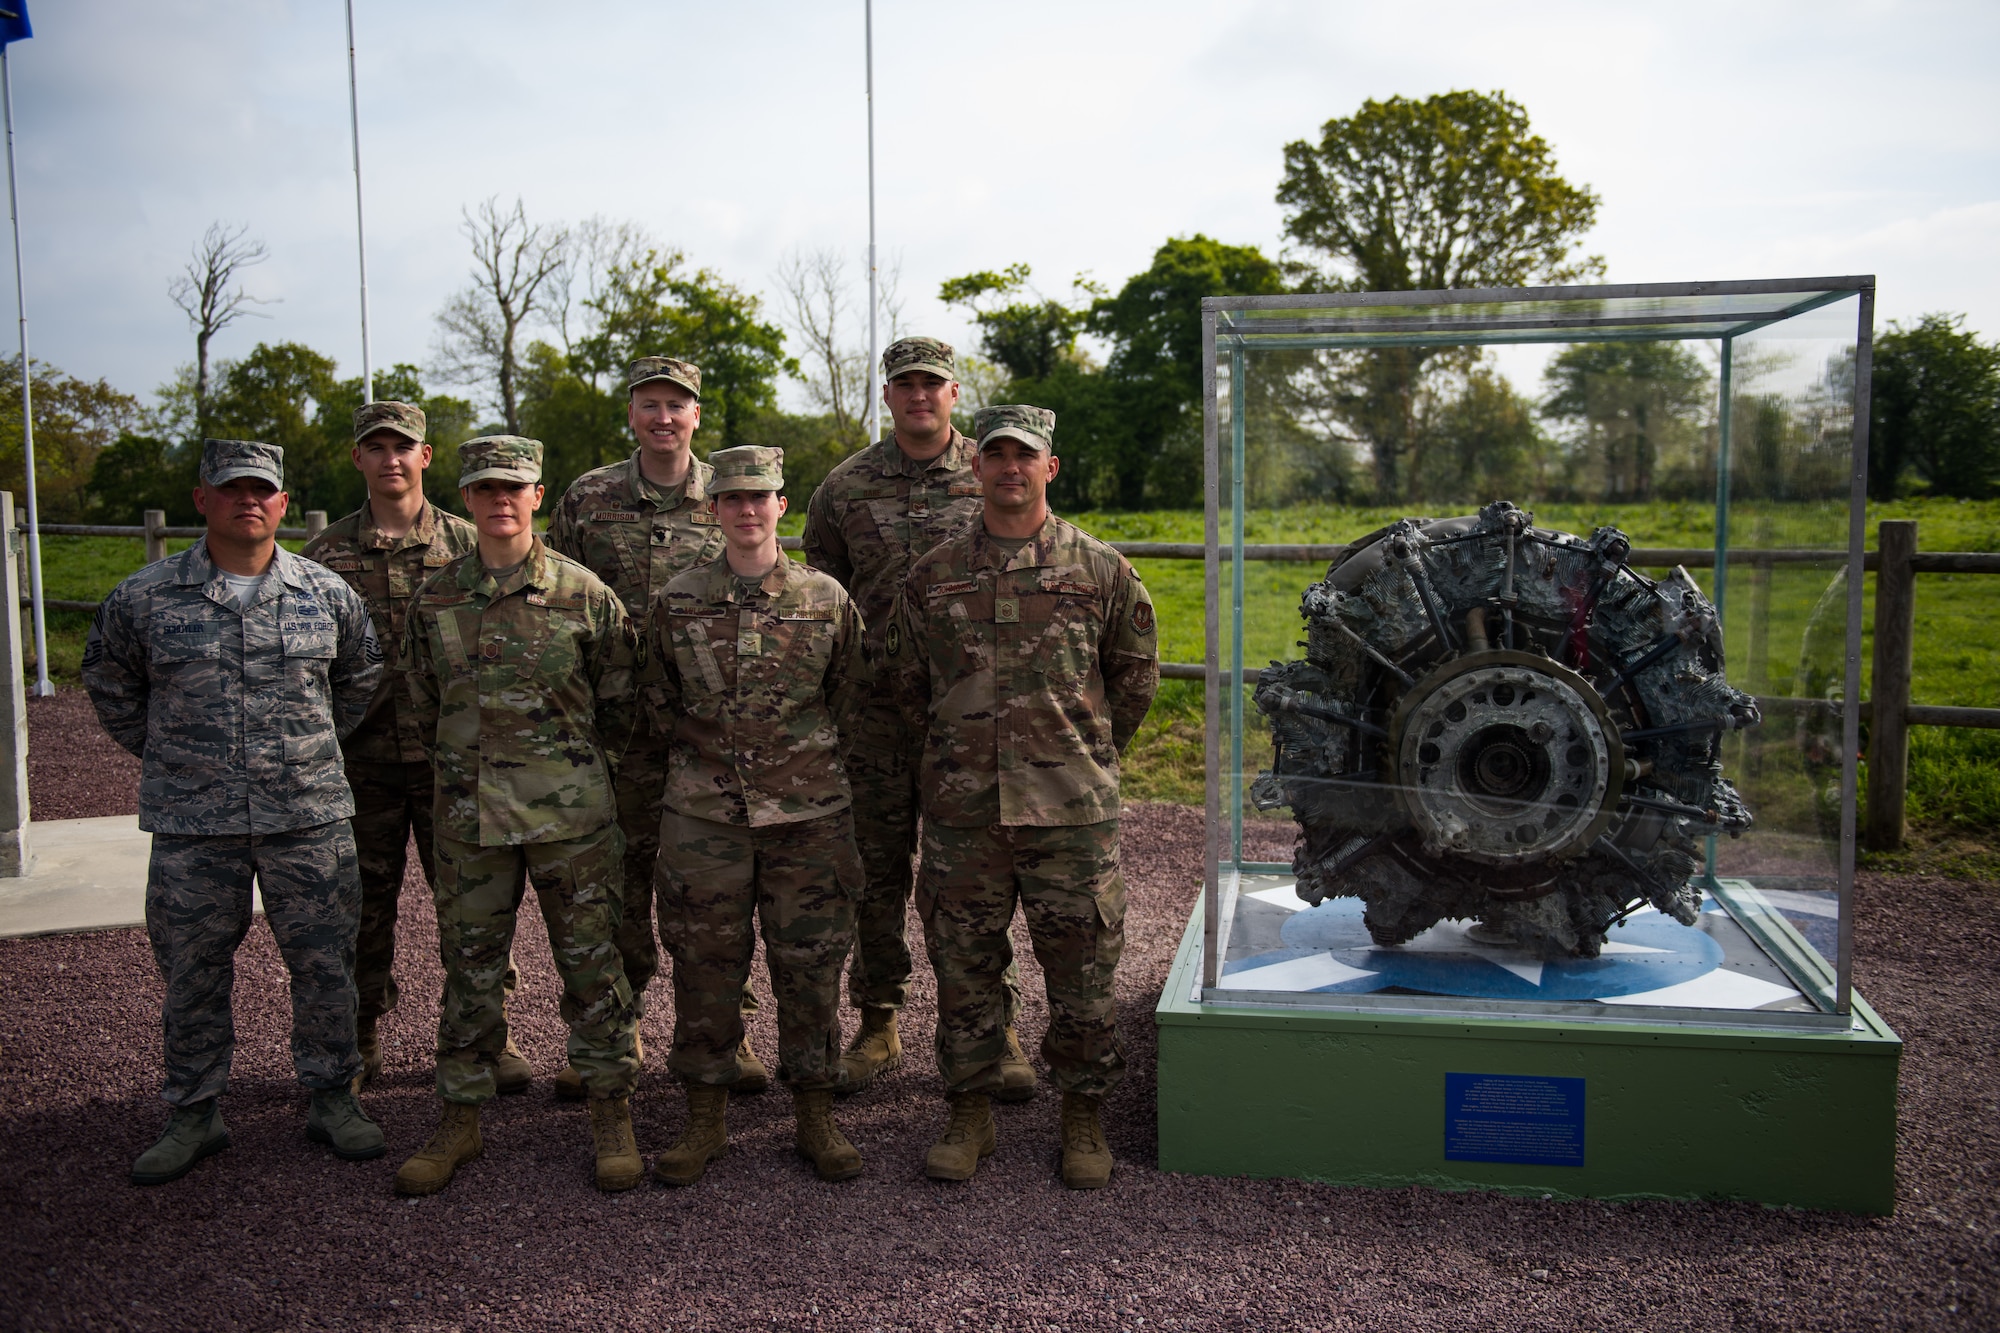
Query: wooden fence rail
{"points": [[1896, 562]]}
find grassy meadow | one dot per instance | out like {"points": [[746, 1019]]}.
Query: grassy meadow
{"points": [[1954, 775]]}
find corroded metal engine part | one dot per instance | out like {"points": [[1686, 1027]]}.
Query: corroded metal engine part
{"points": [[1505, 723]]}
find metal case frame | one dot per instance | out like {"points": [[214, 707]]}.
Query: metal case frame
{"points": [[1236, 328]]}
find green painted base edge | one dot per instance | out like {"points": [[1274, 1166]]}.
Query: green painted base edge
{"points": [[1798, 1119]]}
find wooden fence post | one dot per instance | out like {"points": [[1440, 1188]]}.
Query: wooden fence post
{"points": [[1895, 657], [156, 535], [315, 523]]}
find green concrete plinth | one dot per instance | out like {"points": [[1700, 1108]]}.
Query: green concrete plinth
{"points": [[1671, 1111]]}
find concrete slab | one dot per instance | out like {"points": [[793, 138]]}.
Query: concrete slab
{"points": [[88, 874]]}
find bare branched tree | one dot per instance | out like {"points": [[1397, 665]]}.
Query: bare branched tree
{"points": [[815, 306], [597, 249], [479, 329], [208, 293]]}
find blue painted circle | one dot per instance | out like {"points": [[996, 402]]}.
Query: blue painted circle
{"points": [[1676, 954]]}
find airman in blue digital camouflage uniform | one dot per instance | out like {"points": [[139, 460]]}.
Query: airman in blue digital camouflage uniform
{"points": [[232, 670]]}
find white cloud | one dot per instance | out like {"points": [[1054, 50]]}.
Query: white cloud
{"points": [[1726, 140]]}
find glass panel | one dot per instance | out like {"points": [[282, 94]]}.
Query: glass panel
{"points": [[1715, 429]]}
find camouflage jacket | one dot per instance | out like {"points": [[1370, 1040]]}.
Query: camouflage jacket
{"points": [[755, 694], [633, 534], [387, 571], [878, 511], [523, 694], [1027, 676], [237, 713]]}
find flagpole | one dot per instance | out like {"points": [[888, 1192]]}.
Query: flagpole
{"points": [[42, 686], [360, 236], [874, 343]]}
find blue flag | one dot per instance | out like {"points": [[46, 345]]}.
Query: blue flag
{"points": [[14, 25]]}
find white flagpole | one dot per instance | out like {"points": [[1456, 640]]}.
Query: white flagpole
{"points": [[42, 686], [874, 344], [360, 236]]}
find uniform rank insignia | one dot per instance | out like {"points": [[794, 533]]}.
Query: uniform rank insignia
{"points": [[894, 644], [1142, 617]]}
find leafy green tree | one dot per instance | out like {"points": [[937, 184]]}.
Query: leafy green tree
{"points": [[651, 306], [1026, 333], [1634, 407], [1154, 327], [580, 425], [140, 472], [1453, 191], [1935, 410], [1486, 445], [75, 420]]}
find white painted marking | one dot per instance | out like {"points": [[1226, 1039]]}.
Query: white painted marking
{"points": [[1285, 896], [1716, 990], [1294, 974]]}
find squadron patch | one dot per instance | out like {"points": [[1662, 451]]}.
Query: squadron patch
{"points": [[1142, 617], [894, 644]]}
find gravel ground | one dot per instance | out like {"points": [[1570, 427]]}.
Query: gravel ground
{"points": [[277, 1234]]}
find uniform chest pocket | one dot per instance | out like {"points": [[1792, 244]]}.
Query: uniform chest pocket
{"points": [[173, 642], [805, 648], [892, 520], [310, 636], [553, 655], [1062, 634], [700, 660]]}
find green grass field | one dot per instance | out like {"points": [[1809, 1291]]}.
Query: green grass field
{"points": [[1954, 776]]}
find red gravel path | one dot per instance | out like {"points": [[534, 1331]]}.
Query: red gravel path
{"points": [[275, 1234]]}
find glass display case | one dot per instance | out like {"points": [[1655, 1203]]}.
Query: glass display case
{"points": [[1565, 721]]}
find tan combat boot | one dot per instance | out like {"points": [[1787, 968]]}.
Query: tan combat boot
{"points": [[819, 1140], [1017, 1076], [1086, 1157], [876, 1049], [511, 1071], [368, 1043], [705, 1138], [967, 1137], [751, 1076], [455, 1143], [619, 1165]]}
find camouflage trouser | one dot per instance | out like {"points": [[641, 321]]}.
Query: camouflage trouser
{"points": [[642, 779], [800, 882], [884, 783], [197, 912], [1067, 883], [391, 802], [478, 892]]}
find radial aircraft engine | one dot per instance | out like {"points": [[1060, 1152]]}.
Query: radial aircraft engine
{"points": [[1507, 724]]}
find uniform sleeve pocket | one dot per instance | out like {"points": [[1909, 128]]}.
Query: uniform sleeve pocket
{"points": [[311, 747]]}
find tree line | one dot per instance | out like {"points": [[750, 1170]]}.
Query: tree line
{"points": [[1450, 191]]}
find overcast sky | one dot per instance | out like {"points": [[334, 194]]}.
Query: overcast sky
{"points": [[1731, 140]]}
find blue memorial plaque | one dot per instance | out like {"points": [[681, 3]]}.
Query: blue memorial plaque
{"points": [[1513, 1118]]}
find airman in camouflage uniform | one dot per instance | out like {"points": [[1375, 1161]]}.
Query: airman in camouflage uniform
{"points": [[520, 669], [1025, 649], [234, 688], [759, 670], [637, 524], [869, 520], [386, 767]]}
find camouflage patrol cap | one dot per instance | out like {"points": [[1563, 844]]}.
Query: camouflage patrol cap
{"points": [[499, 458], [924, 354], [649, 368], [1034, 426], [747, 467], [223, 460], [406, 419]]}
